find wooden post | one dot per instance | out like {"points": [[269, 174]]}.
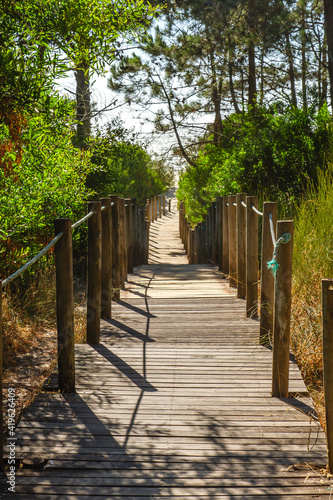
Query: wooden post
{"points": [[160, 205], [123, 245], [147, 227], [106, 261], [151, 209], [225, 237], [282, 312], [327, 307], [203, 251], [128, 231], [214, 233], [196, 240], [164, 204], [252, 264], [1, 386], [94, 273], [65, 305], [209, 233], [134, 229], [219, 229], [241, 245], [155, 207], [169, 204], [232, 241], [267, 278], [116, 279]]}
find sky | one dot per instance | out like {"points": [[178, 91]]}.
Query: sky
{"points": [[132, 116]]}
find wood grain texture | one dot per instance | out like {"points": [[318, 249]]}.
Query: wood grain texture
{"points": [[175, 401]]}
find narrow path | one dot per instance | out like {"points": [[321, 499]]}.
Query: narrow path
{"points": [[175, 402]]}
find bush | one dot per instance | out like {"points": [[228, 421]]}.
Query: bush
{"points": [[49, 181], [265, 150], [121, 166]]}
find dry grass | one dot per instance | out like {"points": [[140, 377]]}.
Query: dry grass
{"points": [[30, 338], [313, 250]]}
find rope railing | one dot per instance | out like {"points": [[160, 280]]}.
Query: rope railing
{"points": [[271, 227], [256, 210], [26, 266]]}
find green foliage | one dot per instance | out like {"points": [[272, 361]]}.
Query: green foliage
{"points": [[271, 151], [121, 166], [49, 182]]}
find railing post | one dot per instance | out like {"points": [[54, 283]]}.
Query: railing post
{"points": [[164, 204], [282, 311], [155, 207], [152, 211], [94, 273], [209, 234], [267, 278], [169, 204], [196, 243], [327, 308], [160, 205], [123, 243], [106, 261], [203, 243], [134, 230], [219, 230], [148, 210], [65, 306], [147, 228], [225, 236], [241, 245], [116, 277], [252, 264], [1, 386], [128, 231], [232, 241], [214, 233]]}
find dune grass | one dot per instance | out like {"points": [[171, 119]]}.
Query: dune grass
{"points": [[312, 261]]}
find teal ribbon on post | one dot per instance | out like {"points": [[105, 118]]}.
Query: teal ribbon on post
{"points": [[272, 264]]}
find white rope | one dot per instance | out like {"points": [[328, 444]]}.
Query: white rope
{"points": [[32, 261], [256, 210], [81, 221], [244, 204], [235, 204], [103, 208], [271, 226]]}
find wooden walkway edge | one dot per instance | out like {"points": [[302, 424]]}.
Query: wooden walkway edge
{"points": [[175, 401]]}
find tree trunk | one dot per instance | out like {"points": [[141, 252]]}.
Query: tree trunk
{"points": [[83, 108], [328, 11], [323, 98], [252, 76], [252, 91], [216, 98], [232, 89], [304, 62], [291, 70]]}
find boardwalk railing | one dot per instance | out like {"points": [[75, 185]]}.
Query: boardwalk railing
{"points": [[229, 238], [118, 240]]}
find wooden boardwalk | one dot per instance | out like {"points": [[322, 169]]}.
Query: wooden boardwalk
{"points": [[175, 402]]}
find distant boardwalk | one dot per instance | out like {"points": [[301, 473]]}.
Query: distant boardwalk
{"points": [[175, 402]]}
